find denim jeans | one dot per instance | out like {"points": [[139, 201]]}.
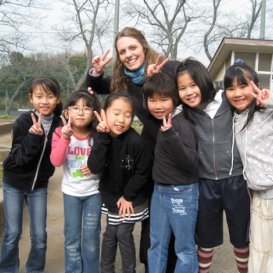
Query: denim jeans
{"points": [[13, 209], [173, 209], [121, 234], [82, 233]]}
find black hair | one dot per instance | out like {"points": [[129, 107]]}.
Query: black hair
{"points": [[90, 99], [162, 84], [242, 73], [117, 95], [48, 84], [202, 79]]}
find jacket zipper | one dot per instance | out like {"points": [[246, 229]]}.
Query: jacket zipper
{"points": [[39, 164], [213, 142]]}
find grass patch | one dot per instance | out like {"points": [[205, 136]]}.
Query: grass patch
{"points": [[137, 125]]}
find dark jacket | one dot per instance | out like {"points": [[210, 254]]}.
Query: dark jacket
{"points": [[218, 153], [23, 161], [176, 157], [124, 165]]}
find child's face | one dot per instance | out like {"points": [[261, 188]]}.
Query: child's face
{"points": [[43, 102], [80, 115], [189, 92], [239, 95], [160, 106], [119, 116]]}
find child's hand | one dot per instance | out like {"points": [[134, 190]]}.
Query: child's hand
{"points": [[36, 128], [155, 68], [167, 124], [66, 129], [102, 126], [125, 207], [99, 62], [85, 170], [261, 95]]}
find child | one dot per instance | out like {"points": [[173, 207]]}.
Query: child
{"points": [[174, 204], [27, 170], [71, 146], [222, 186], [254, 136], [124, 165]]}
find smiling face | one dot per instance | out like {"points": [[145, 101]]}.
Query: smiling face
{"points": [[80, 115], [239, 95], [119, 116], [130, 52], [189, 92], [160, 106], [43, 101]]}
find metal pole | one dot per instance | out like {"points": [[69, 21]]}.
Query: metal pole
{"points": [[262, 26], [116, 24]]}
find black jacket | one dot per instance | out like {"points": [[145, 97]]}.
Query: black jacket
{"points": [[176, 157], [125, 167], [22, 163]]}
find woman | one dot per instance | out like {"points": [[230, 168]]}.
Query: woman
{"points": [[134, 56]]}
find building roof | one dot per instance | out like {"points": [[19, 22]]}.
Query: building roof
{"points": [[239, 45]]}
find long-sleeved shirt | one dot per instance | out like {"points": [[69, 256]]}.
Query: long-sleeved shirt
{"points": [[73, 154]]}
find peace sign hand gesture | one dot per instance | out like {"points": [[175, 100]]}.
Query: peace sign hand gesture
{"points": [[99, 62], [102, 126], [155, 68], [167, 124], [36, 128], [66, 129], [261, 95]]}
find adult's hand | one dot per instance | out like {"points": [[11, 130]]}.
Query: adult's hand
{"points": [[99, 62], [155, 68]]}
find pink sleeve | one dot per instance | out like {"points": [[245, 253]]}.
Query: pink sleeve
{"points": [[58, 148]]}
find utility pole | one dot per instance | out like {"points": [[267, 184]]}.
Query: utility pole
{"points": [[116, 25], [263, 14]]}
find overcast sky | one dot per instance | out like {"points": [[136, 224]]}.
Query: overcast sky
{"points": [[43, 37]]}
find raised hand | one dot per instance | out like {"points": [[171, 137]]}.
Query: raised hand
{"points": [[66, 129], [36, 128], [99, 62], [125, 207], [155, 68], [261, 95], [102, 126], [167, 124]]}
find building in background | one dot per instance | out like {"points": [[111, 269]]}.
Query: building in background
{"points": [[257, 53]]}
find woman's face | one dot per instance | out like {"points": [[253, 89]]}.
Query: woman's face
{"points": [[130, 52]]}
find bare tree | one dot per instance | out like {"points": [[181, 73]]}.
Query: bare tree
{"points": [[13, 15], [255, 11], [89, 23], [167, 19], [207, 41]]}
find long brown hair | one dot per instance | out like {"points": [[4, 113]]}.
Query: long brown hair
{"points": [[119, 80]]}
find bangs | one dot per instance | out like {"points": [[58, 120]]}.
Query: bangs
{"points": [[238, 74]]}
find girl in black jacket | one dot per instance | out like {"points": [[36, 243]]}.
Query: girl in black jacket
{"points": [[121, 158], [27, 170]]}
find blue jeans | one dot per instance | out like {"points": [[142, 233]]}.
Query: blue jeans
{"points": [[13, 209], [82, 233], [173, 209]]}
